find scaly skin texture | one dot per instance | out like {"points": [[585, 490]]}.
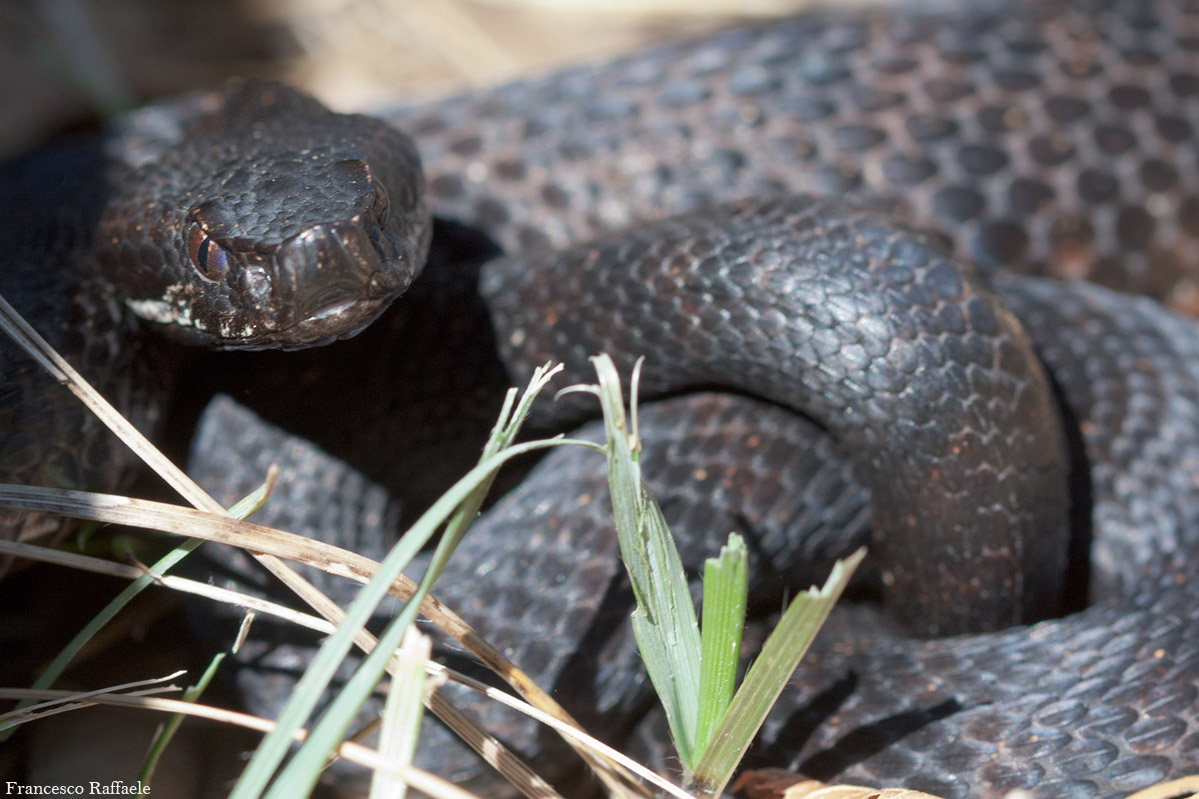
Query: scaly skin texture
{"points": [[1046, 137], [1053, 136], [247, 216], [1049, 138], [1060, 708], [859, 325], [1098, 704], [45, 277]]}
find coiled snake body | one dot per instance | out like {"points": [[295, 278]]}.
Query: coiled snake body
{"points": [[1041, 137]]}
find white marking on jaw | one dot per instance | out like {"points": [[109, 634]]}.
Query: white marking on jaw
{"points": [[162, 312], [169, 313]]}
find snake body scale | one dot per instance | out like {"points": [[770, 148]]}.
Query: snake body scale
{"points": [[1046, 138]]}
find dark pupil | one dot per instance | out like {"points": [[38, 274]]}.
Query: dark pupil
{"points": [[206, 255]]}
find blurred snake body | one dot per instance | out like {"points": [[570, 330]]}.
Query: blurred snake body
{"points": [[836, 215]]}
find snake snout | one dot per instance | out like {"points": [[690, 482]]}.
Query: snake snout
{"points": [[334, 280]]}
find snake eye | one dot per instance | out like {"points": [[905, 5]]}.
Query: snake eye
{"points": [[207, 257]]}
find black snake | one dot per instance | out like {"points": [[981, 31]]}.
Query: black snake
{"points": [[1043, 137]]}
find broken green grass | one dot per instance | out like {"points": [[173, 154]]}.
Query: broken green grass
{"points": [[726, 587], [299, 775], [693, 670]]}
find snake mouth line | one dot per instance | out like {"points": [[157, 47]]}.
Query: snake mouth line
{"points": [[337, 319], [330, 310]]}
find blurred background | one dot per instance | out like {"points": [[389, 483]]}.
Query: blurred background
{"points": [[65, 60]]}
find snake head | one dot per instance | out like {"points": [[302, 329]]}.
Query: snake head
{"points": [[256, 218]]}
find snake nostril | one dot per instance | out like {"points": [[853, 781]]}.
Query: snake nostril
{"points": [[255, 283]]}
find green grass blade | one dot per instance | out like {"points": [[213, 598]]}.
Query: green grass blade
{"points": [[666, 630], [311, 685], [247, 505], [402, 714], [726, 586], [171, 726], [664, 622], [503, 435], [300, 775], [769, 674]]}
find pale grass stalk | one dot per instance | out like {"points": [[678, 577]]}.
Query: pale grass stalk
{"points": [[575, 733], [1174, 789], [177, 520], [400, 721], [33, 710], [185, 521], [355, 753], [84, 562], [29, 340], [38, 348], [110, 568]]}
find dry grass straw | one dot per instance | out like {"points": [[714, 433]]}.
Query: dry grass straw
{"points": [[121, 696], [209, 521]]}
